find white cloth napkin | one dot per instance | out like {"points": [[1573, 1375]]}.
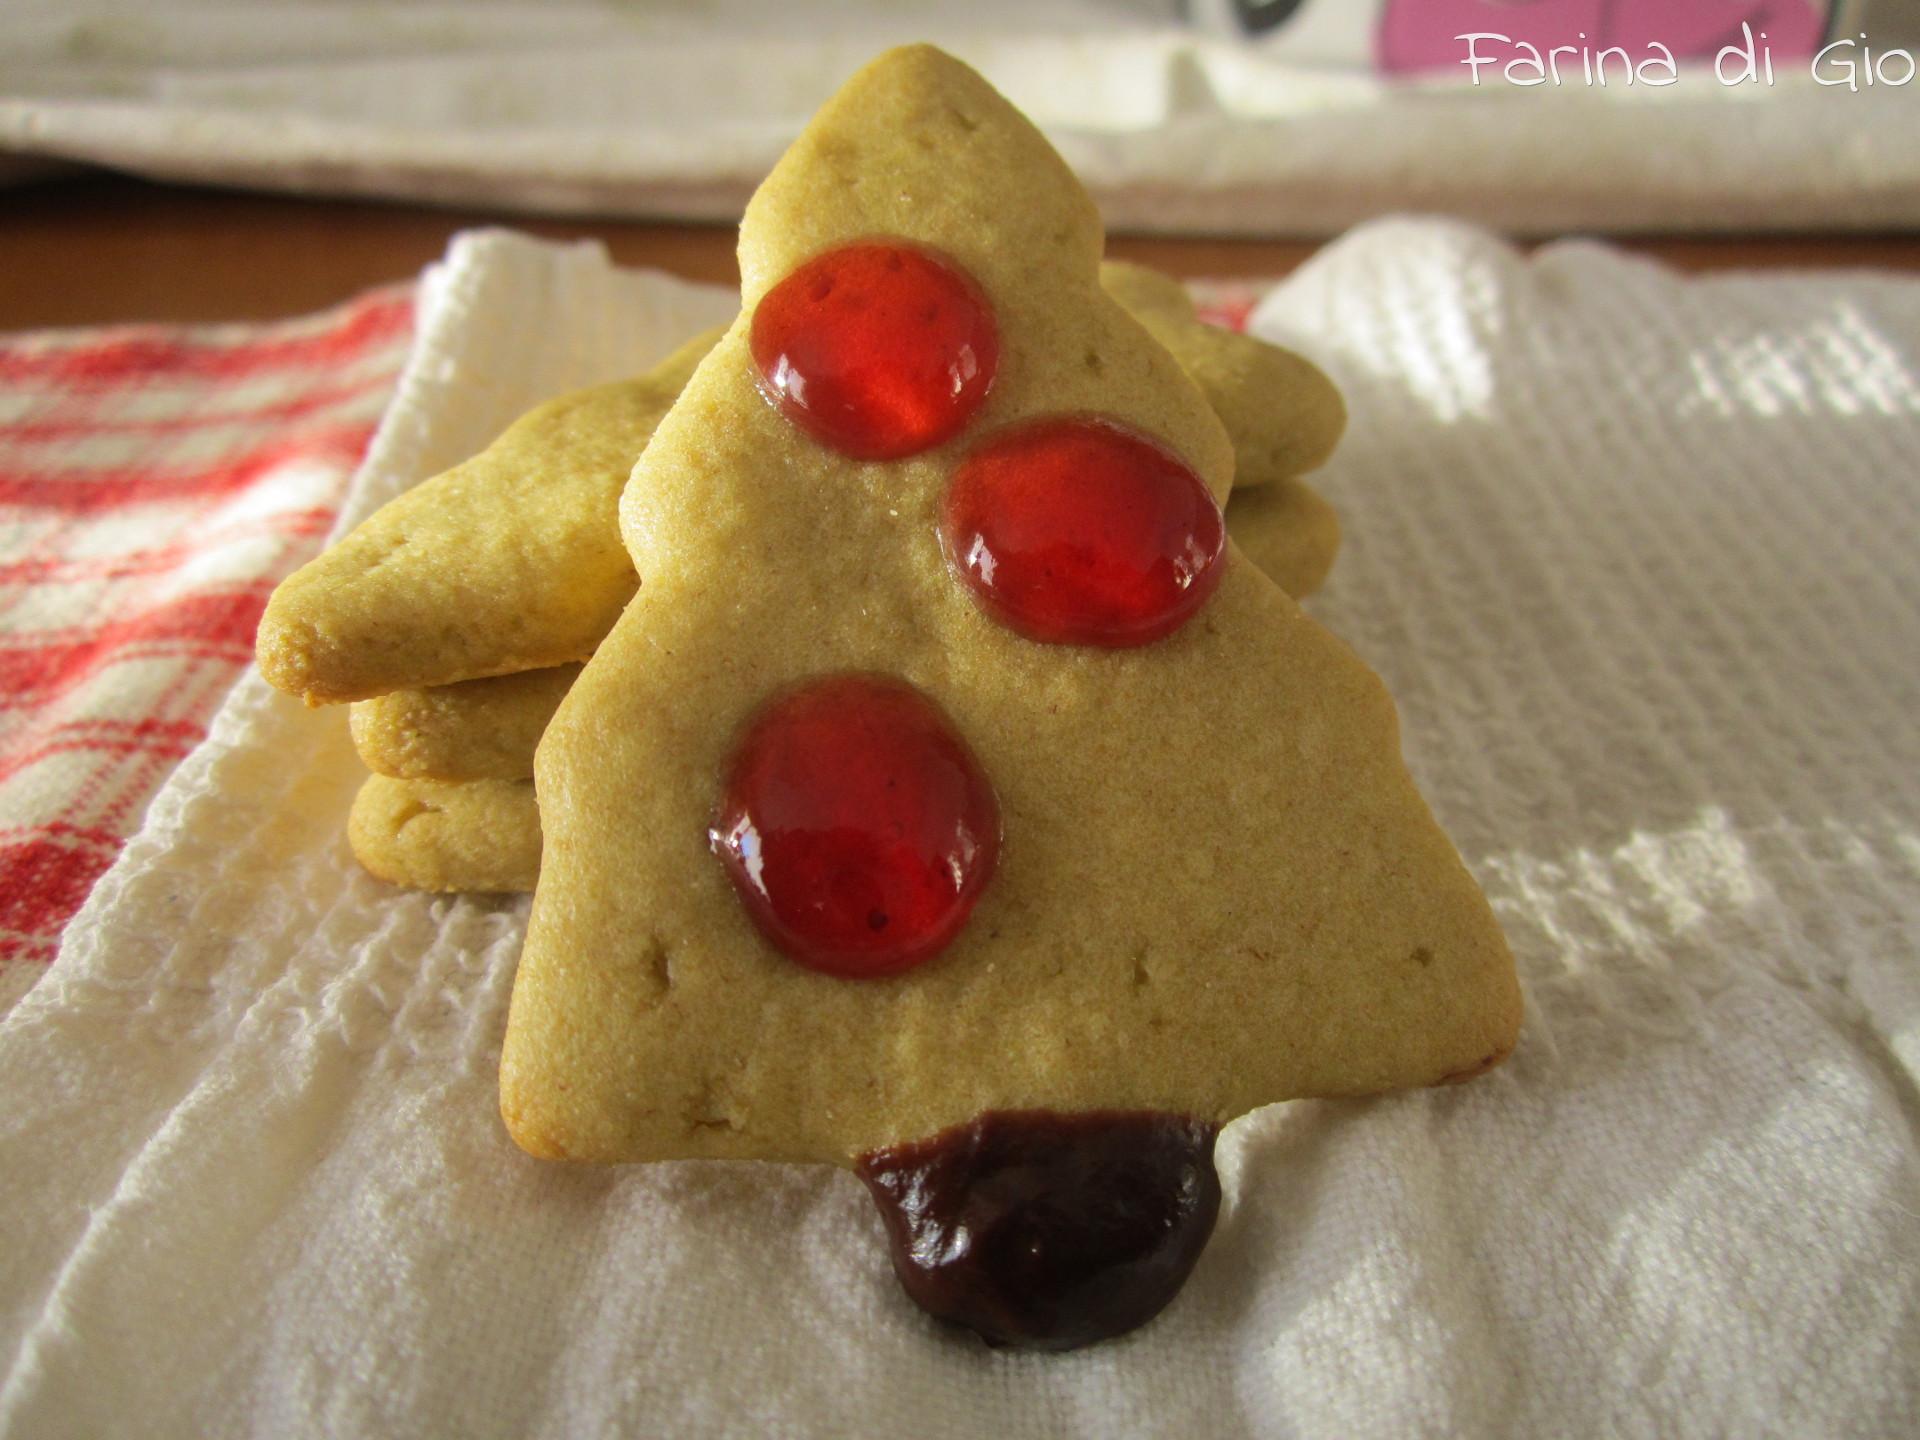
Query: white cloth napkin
{"points": [[680, 109], [1636, 554]]}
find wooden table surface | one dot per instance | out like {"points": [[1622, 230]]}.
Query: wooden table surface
{"points": [[99, 248]]}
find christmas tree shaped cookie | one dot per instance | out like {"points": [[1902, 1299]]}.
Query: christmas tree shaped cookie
{"points": [[953, 801]]}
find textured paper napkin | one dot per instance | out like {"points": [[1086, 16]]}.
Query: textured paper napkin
{"points": [[1636, 555]]}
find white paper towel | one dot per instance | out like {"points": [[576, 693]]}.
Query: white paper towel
{"points": [[680, 109], [1636, 555]]}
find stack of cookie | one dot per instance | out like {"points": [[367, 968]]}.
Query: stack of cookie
{"points": [[455, 619], [930, 780]]}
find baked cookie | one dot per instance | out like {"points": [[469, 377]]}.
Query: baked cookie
{"points": [[486, 729], [1284, 414], [921, 815], [430, 835], [1288, 531], [482, 729], [509, 561], [503, 563]]}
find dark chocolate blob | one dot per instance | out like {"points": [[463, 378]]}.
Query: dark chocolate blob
{"points": [[1049, 1231]]}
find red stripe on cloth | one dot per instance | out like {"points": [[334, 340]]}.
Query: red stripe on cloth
{"points": [[115, 357], [44, 878], [216, 624], [27, 947], [164, 737], [143, 475], [86, 491], [50, 431], [53, 570], [80, 834], [1230, 310]]}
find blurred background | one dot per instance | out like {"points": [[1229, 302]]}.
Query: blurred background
{"points": [[1278, 121]]}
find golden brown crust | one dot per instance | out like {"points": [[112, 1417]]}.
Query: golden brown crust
{"points": [[1284, 415], [1147, 291], [482, 835], [504, 563], [472, 730], [1288, 531]]}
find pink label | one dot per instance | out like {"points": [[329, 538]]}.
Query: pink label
{"points": [[1422, 34]]}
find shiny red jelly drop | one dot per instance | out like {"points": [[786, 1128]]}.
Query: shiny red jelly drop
{"points": [[876, 350], [1076, 530], [857, 826]]}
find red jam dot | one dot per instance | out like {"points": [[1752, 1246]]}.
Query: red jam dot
{"points": [[1078, 531], [876, 350], [857, 826]]}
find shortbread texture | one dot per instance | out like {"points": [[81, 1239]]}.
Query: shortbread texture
{"points": [[1218, 886], [431, 835], [1282, 412], [474, 730], [503, 563], [488, 729], [1288, 530]]}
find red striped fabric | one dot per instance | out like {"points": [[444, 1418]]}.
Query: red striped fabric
{"points": [[156, 482], [1228, 303]]}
